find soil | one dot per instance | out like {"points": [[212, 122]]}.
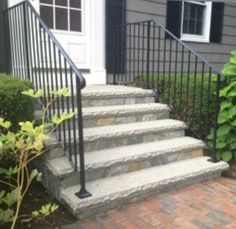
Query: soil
{"points": [[36, 197]]}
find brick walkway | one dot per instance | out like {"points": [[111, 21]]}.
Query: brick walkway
{"points": [[207, 205]]}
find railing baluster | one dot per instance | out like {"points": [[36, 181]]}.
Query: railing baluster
{"points": [[37, 55], [169, 77], [38, 65], [26, 34], [68, 110], [34, 59], [187, 90], [181, 78], [138, 53], [153, 55]]}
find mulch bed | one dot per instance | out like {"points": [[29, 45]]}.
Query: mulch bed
{"points": [[36, 197]]}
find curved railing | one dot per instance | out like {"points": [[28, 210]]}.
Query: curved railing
{"points": [[35, 54], [148, 55]]}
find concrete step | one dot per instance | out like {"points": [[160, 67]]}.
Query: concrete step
{"points": [[108, 95], [107, 137], [115, 191], [121, 114], [120, 160]]}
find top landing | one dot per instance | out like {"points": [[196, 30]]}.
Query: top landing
{"points": [[114, 90]]}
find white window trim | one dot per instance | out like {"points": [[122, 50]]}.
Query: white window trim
{"points": [[205, 38], [68, 31]]}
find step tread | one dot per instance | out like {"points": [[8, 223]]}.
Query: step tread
{"points": [[93, 133], [108, 157], [124, 109], [105, 91], [118, 187]]}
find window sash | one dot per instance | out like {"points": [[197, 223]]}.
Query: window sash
{"points": [[205, 37], [69, 27]]}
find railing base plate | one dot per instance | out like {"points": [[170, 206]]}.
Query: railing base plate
{"points": [[83, 194], [213, 160]]}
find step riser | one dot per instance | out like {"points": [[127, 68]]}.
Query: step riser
{"points": [[118, 119], [112, 142], [96, 102], [108, 143], [130, 166], [123, 119], [143, 192]]}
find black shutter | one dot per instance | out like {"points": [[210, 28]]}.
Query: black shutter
{"points": [[173, 17], [115, 15], [217, 22]]}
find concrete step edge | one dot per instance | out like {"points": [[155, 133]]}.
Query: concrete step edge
{"points": [[115, 189]]}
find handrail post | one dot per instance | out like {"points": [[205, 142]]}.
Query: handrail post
{"points": [[114, 64], [214, 159], [148, 50], [83, 193], [26, 38]]}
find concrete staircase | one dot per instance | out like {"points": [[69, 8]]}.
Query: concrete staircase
{"points": [[133, 150]]}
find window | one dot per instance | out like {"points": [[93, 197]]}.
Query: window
{"points": [[196, 21], [62, 14]]}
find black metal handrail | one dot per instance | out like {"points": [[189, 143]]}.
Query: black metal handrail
{"points": [[148, 55], [35, 54]]}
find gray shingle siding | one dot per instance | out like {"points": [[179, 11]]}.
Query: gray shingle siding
{"points": [[216, 54]]}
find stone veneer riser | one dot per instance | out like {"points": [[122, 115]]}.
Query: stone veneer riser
{"points": [[122, 167], [117, 141], [96, 102], [116, 120]]}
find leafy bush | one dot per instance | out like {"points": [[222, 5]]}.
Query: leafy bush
{"points": [[14, 106], [226, 133], [191, 96], [21, 148]]}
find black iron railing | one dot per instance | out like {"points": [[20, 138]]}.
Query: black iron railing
{"points": [[148, 55], [34, 53]]}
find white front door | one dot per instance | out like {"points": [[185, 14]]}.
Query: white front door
{"points": [[79, 25]]}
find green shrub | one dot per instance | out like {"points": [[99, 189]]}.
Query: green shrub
{"points": [[226, 133], [14, 106], [191, 96]]}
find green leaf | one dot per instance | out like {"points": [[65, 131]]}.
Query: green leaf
{"points": [[233, 52], [62, 92], [233, 145], [5, 124], [221, 145], [227, 156], [58, 120], [6, 216], [225, 104], [232, 112], [232, 93], [233, 60], [223, 130], [233, 123], [32, 93], [11, 197], [223, 117]]}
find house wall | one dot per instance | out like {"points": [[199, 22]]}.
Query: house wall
{"points": [[216, 54]]}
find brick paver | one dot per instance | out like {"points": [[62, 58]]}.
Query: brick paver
{"points": [[208, 205]]}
